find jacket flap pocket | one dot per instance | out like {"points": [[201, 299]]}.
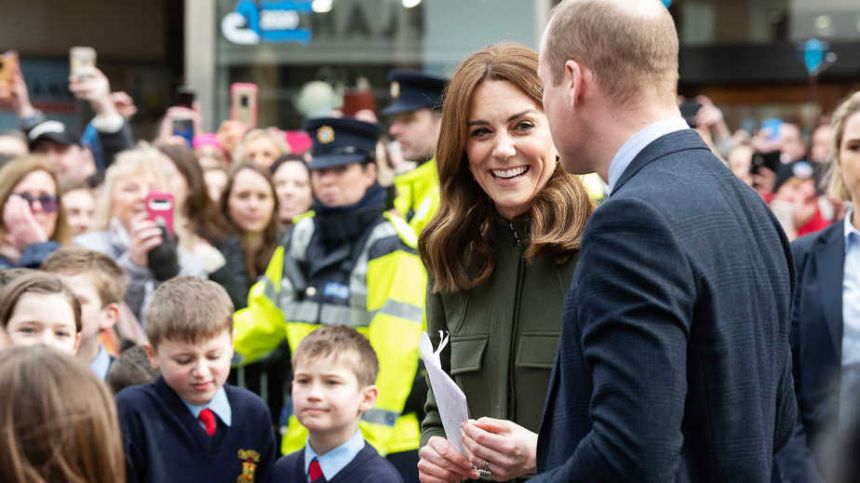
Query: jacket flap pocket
{"points": [[537, 350], [467, 353]]}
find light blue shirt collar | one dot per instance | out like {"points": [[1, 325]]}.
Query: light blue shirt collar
{"points": [[636, 143], [101, 364], [219, 405], [335, 460], [851, 233]]}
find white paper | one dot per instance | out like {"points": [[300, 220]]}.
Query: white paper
{"points": [[450, 400]]}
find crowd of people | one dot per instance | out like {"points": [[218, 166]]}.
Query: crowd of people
{"points": [[629, 289]]}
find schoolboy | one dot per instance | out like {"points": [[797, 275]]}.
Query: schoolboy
{"points": [[334, 371], [99, 283], [187, 426]]}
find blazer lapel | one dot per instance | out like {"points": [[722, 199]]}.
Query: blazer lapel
{"points": [[829, 262], [662, 146]]}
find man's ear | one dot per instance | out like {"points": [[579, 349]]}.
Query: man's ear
{"points": [[574, 79], [368, 398], [110, 316], [152, 355]]}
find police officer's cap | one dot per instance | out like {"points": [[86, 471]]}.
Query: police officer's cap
{"points": [[412, 90], [340, 141]]}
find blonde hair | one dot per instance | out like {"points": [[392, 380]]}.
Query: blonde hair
{"points": [[456, 246], [188, 309], [338, 341], [103, 272], [13, 172], [849, 107], [58, 420], [141, 159], [253, 135], [630, 54]]}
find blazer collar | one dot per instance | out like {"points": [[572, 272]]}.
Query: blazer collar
{"points": [[829, 258], [662, 146]]}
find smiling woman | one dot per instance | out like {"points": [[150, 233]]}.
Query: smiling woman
{"points": [[500, 253]]}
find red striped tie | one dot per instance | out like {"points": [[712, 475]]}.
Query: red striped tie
{"points": [[207, 417]]}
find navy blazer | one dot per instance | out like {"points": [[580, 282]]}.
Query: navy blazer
{"points": [[816, 343], [674, 361]]}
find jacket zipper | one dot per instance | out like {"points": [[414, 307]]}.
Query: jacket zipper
{"points": [[512, 392]]}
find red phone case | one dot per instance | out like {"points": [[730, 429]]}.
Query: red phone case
{"points": [[159, 208]]}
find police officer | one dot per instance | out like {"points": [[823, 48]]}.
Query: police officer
{"points": [[415, 117], [350, 263]]}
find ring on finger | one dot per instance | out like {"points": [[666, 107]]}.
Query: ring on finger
{"points": [[484, 471]]}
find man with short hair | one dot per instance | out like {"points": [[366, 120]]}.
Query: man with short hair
{"points": [[416, 115], [673, 362]]}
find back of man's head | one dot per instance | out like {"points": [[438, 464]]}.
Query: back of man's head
{"points": [[630, 46]]}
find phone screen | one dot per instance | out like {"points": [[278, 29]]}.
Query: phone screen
{"points": [[185, 129]]}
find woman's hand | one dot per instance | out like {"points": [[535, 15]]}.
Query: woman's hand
{"points": [[145, 235], [440, 462], [22, 229], [506, 449]]}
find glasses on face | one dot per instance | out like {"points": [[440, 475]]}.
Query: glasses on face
{"points": [[49, 203]]}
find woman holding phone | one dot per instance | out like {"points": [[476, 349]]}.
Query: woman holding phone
{"points": [[126, 229]]}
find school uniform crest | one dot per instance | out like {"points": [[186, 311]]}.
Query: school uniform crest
{"points": [[249, 459]]}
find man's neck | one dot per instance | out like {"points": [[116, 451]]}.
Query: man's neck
{"points": [[623, 125]]}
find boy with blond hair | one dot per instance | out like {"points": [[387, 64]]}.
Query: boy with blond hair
{"points": [[188, 425], [334, 375], [99, 284]]}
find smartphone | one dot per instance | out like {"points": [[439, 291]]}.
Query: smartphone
{"points": [[771, 128], [159, 208], [185, 129], [243, 103], [81, 59], [689, 109], [184, 97], [8, 66], [769, 160]]}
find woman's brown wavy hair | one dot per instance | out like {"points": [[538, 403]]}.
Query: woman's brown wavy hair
{"points": [[457, 246]]}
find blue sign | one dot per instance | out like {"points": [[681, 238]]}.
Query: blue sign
{"points": [[813, 55], [267, 21]]}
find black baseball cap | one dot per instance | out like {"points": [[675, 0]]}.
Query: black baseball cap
{"points": [[50, 130]]}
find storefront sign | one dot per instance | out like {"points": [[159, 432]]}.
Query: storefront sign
{"points": [[267, 21]]}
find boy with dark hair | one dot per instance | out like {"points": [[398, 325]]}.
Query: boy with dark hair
{"points": [[188, 425], [99, 283], [334, 375], [131, 368]]}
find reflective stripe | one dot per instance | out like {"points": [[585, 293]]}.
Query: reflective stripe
{"points": [[300, 311], [380, 416], [402, 310]]}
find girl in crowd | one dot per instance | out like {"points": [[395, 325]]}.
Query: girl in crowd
{"points": [[36, 308], [57, 420], [249, 203], [262, 146], [34, 223], [293, 186], [123, 231], [500, 253]]}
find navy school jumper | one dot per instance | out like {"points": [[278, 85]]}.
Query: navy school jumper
{"points": [[164, 442], [366, 467]]}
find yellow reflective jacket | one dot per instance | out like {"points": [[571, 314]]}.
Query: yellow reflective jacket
{"points": [[418, 195], [385, 303]]}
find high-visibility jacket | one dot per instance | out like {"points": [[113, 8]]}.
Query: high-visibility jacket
{"points": [[381, 293], [418, 195]]}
